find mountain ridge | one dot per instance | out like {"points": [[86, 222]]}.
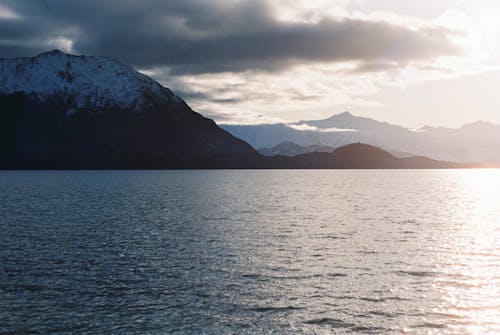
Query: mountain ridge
{"points": [[66, 111], [472, 143], [61, 111]]}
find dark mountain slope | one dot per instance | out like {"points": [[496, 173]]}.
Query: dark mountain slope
{"points": [[59, 111]]}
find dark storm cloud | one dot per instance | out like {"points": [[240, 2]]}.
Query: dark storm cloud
{"points": [[195, 36]]}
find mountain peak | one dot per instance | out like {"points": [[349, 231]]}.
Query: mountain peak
{"points": [[53, 55], [345, 120], [93, 83], [346, 113], [478, 124], [343, 115], [53, 52]]}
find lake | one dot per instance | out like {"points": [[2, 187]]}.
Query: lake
{"points": [[250, 252]]}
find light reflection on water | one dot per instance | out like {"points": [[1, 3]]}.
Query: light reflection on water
{"points": [[285, 252], [471, 288]]}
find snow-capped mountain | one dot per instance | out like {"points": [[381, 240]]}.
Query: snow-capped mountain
{"points": [[93, 83], [64, 111]]}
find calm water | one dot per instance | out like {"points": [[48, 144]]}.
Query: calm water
{"points": [[250, 252]]}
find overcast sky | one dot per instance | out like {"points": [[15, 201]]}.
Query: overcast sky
{"points": [[414, 63]]}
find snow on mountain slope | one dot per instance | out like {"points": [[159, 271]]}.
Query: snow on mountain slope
{"points": [[94, 83], [59, 111]]}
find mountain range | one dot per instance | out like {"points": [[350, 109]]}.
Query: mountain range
{"points": [[473, 143], [292, 149], [61, 111]]}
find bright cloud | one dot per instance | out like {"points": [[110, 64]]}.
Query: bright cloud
{"points": [[6, 13], [305, 127], [269, 61]]}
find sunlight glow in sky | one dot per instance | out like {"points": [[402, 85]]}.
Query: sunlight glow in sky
{"points": [[442, 91], [446, 91], [411, 63]]}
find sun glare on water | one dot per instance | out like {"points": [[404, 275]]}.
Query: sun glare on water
{"points": [[470, 275]]}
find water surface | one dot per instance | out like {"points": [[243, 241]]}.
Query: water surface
{"points": [[250, 252]]}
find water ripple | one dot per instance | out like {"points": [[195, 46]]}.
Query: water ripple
{"points": [[249, 252]]}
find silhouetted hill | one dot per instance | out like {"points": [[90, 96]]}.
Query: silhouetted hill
{"points": [[359, 156]]}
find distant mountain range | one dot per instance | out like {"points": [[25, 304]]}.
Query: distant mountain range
{"points": [[477, 142], [292, 149], [60, 111]]}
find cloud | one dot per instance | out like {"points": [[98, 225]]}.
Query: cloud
{"points": [[306, 91], [195, 36], [306, 127], [253, 61], [7, 13]]}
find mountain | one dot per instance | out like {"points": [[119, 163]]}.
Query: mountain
{"points": [[362, 156], [476, 142], [292, 149], [348, 121], [61, 111], [64, 111]]}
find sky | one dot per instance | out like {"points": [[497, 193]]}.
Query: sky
{"points": [[414, 63]]}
